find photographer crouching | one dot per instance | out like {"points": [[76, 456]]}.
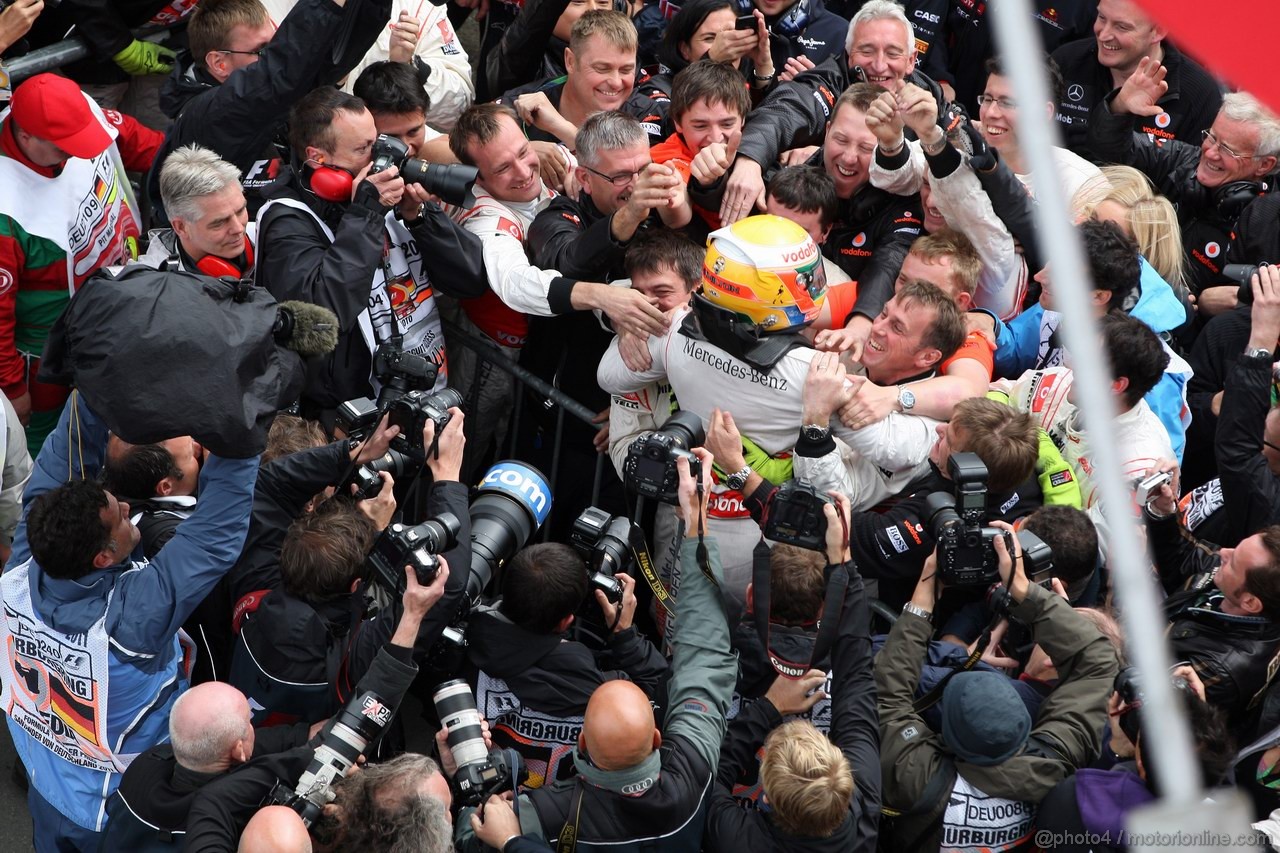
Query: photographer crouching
{"points": [[308, 642]]}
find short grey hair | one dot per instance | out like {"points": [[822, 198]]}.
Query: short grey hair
{"points": [[881, 10], [209, 744], [190, 173], [384, 808], [608, 131], [1241, 106]]}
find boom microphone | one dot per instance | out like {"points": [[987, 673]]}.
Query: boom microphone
{"points": [[307, 329]]}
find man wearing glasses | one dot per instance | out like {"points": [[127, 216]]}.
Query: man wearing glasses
{"points": [[1212, 185], [232, 92]]}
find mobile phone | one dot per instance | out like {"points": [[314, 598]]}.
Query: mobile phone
{"points": [[745, 22]]}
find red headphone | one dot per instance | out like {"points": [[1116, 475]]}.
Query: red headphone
{"points": [[216, 267], [331, 183]]}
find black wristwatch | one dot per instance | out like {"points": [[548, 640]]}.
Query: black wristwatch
{"points": [[815, 432], [1258, 353]]}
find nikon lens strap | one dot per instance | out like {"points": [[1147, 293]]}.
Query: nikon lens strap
{"points": [[832, 603], [640, 552]]}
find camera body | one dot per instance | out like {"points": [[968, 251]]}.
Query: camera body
{"points": [[966, 545], [1128, 684], [604, 542], [357, 418], [481, 773], [650, 467], [1244, 274], [794, 516], [400, 372], [344, 738], [401, 545], [451, 182], [411, 412]]}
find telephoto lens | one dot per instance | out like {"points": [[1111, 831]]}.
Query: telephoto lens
{"points": [[456, 707]]}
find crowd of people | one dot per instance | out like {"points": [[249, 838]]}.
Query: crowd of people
{"points": [[827, 567]]}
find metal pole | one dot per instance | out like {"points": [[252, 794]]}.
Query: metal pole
{"points": [[70, 49], [1179, 773]]}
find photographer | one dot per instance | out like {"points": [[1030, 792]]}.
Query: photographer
{"points": [[232, 92], [540, 680], [308, 642], [893, 544], [99, 631], [989, 759], [328, 236], [1222, 605], [637, 785], [824, 795], [222, 807]]}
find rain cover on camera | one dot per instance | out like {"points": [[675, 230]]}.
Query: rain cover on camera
{"points": [[162, 354]]}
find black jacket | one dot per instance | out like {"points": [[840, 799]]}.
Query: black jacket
{"points": [[223, 808], [239, 118], [527, 51], [552, 680], [1250, 492], [1230, 653], [298, 261], [288, 644], [870, 239], [1212, 356], [1207, 228], [148, 812], [1258, 233], [854, 729], [648, 104], [1190, 105]]}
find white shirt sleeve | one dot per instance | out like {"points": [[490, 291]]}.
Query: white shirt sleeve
{"points": [[905, 180], [518, 283]]}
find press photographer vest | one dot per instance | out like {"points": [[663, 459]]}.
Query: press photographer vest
{"points": [[545, 742], [401, 284]]}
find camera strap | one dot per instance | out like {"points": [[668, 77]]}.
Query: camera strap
{"points": [[934, 696], [832, 603], [640, 553]]}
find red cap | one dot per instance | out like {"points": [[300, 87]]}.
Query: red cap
{"points": [[52, 108]]}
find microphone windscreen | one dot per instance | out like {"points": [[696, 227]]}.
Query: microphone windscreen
{"points": [[315, 329]]}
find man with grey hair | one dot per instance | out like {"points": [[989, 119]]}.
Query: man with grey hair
{"points": [[1212, 185], [208, 217], [880, 48], [397, 805], [622, 192], [210, 732]]}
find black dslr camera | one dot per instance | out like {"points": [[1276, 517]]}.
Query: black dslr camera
{"points": [[650, 466], [794, 515], [452, 182], [604, 542], [400, 545], [1244, 274], [481, 773], [400, 372], [966, 546], [412, 411], [1128, 684]]}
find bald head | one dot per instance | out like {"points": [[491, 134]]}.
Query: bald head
{"points": [[618, 729], [275, 829], [210, 728]]}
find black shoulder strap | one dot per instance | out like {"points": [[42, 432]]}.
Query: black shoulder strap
{"points": [[936, 793]]}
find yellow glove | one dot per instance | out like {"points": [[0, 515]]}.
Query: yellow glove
{"points": [[145, 57]]}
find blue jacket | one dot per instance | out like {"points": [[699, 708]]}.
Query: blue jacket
{"points": [[144, 603], [1027, 343]]}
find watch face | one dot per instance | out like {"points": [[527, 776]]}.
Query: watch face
{"points": [[907, 398], [814, 433]]}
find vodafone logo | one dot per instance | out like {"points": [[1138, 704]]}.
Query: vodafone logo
{"points": [[1163, 120], [860, 240], [6, 281], [1211, 250]]}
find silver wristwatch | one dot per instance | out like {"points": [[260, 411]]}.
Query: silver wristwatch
{"points": [[906, 398], [737, 481], [915, 610]]}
